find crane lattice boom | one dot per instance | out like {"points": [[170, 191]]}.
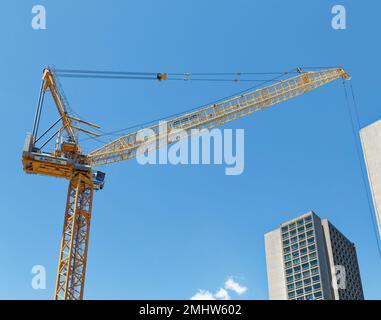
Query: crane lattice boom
{"points": [[127, 146]]}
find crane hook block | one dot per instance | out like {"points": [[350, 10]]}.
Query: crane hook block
{"points": [[161, 76]]}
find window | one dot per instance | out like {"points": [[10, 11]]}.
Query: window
{"points": [[309, 225], [287, 264], [305, 258], [294, 246], [302, 236], [314, 263], [308, 289], [291, 294], [286, 242], [313, 255], [310, 233], [307, 281], [315, 278], [289, 279], [303, 251], [316, 286], [309, 297], [305, 266], [298, 276], [299, 292], [308, 219], [315, 271], [312, 248], [289, 271], [301, 229], [284, 229], [288, 249], [311, 240], [285, 235], [292, 225], [295, 254], [287, 257], [318, 294], [300, 222], [306, 274], [298, 284], [296, 261], [290, 287], [294, 239], [296, 269]]}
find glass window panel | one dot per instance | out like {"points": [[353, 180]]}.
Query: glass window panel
{"points": [[308, 289], [315, 271], [306, 273]]}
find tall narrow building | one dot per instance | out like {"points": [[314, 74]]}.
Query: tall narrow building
{"points": [[309, 259], [371, 144]]}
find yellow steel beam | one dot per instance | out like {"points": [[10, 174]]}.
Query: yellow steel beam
{"points": [[50, 83], [75, 239]]}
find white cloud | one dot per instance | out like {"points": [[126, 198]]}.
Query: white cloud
{"points": [[203, 295], [230, 284], [222, 294]]}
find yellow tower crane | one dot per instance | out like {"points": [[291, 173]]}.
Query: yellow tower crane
{"points": [[68, 161]]}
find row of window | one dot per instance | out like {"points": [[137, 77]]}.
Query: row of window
{"points": [[304, 266], [300, 229], [298, 260], [306, 274], [301, 236], [296, 246], [305, 282], [295, 254], [307, 289], [315, 296], [299, 222]]}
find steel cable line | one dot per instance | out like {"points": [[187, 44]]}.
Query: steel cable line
{"points": [[123, 131], [358, 152]]}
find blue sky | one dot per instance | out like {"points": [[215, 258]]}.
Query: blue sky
{"points": [[163, 232]]}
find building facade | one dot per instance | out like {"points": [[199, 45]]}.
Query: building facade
{"points": [[371, 144], [309, 259]]}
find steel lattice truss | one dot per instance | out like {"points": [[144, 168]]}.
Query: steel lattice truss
{"points": [[74, 243], [127, 146]]}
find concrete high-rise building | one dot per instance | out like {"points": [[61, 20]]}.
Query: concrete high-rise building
{"points": [[309, 259], [371, 143]]}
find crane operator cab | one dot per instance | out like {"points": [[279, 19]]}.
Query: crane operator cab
{"points": [[39, 162]]}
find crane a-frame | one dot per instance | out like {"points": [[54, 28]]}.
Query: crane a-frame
{"points": [[69, 162]]}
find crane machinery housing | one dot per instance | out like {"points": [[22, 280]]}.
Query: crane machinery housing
{"points": [[69, 162]]}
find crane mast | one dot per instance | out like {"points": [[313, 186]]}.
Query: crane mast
{"points": [[67, 160]]}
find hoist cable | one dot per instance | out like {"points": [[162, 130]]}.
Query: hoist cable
{"points": [[358, 152], [122, 131]]}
